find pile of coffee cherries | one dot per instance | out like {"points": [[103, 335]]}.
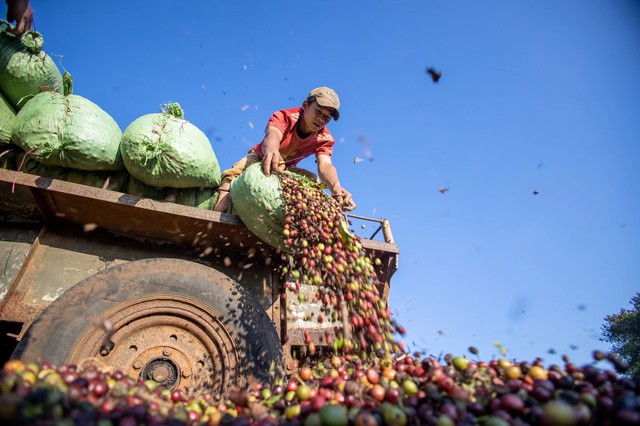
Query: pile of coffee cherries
{"points": [[335, 391]]}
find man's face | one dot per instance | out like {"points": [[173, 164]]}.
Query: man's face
{"points": [[315, 117]]}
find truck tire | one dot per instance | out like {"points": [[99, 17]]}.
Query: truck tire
{"points": [[177, 322]]}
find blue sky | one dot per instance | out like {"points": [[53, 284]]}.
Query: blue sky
{"points": [[535, 96]]}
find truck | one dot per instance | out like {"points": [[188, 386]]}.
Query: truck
{"points": [[186, 297]]}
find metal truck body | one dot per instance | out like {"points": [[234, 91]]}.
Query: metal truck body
{"points": [[106, 269]]}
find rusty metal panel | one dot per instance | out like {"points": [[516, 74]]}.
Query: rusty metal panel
{"points": [[303, 313], [60, 264], [15, 244], [16, 201], [61, 258], [278, 306], [55, 263], [66, 202], [319, 336]]}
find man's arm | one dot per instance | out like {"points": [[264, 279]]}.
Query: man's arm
{"points": [[19, 11], [272, 160], [271, 149], [329, 176]]}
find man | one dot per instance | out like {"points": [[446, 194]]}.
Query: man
{"points": [[20, 12], [292, 135]]}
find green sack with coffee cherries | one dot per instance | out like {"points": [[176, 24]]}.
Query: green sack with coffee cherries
{"points": [[26, 164], [258, 202], [113, 180], [68, 131], [105, 179], [25, 69], [7, 116], [165, 150], [202, 198]]}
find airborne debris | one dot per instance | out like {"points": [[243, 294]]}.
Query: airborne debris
{"points": [[599, 355], [358, 160], [443, 190], [620, 365], [366, 143], [501, 348], [106, 326], [435, 75]]}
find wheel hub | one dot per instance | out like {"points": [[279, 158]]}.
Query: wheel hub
{"points": [[163, 371], [171, 339]]}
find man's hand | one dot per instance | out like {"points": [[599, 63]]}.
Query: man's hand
{"points": [[272, 162], [19, 11], [343, 197]]}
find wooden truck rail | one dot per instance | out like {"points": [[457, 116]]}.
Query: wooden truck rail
{"points": [[81, 260]]}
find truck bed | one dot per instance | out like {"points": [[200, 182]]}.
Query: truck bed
{"points": [[27, 197]]}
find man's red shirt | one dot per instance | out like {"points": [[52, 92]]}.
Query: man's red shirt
{"points": [[292, 148]]}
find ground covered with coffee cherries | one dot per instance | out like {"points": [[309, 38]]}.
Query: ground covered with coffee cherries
{"points": [[359, 375], [338, 390]]}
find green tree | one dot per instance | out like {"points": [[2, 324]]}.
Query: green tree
{"points": [[622, 330]]}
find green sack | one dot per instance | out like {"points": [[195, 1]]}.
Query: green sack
{"points": [[16, 159], [105, 179], [165, 150], [7, 116], [257, 200], [8, 154], [26, 70], [68, 131], [26, 164], [202, 198], [140, 189]]}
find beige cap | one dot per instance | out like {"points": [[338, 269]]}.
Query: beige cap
{"points": [[326, 97]]}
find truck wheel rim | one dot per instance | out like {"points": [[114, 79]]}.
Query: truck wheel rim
{"points": [[174, 340]]}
